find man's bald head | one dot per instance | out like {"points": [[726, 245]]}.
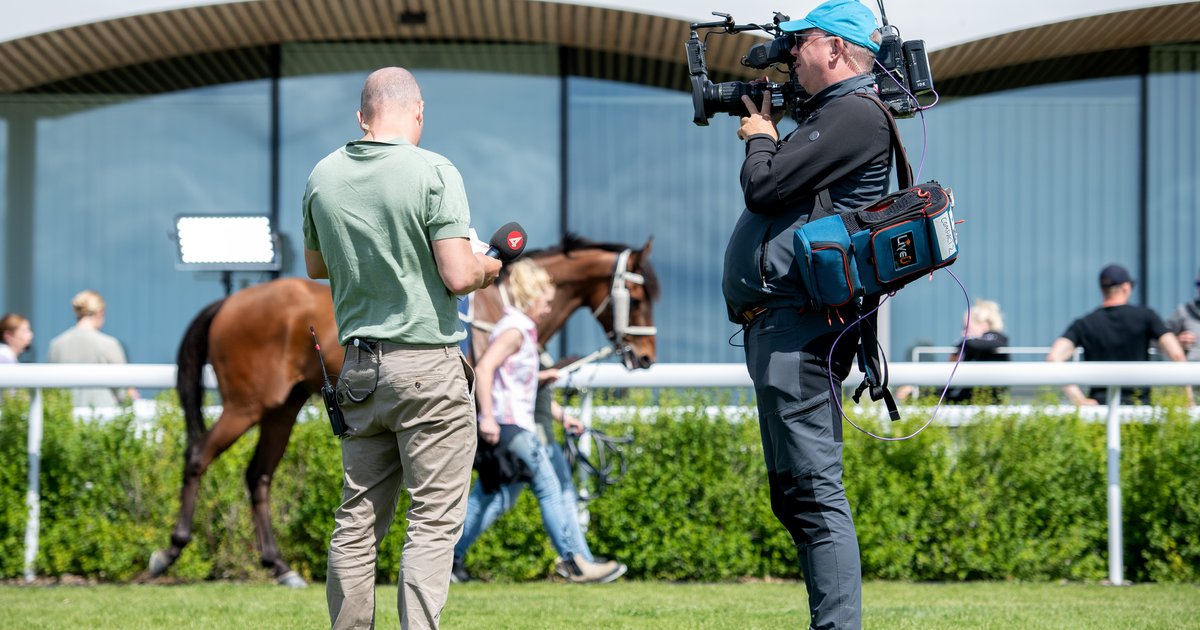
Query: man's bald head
{"points": [[389, 88]]}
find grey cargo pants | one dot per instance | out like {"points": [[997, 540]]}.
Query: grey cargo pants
{"points": [[787, 354]]}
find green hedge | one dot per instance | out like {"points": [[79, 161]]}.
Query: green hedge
{"points": [[1005, 497]]}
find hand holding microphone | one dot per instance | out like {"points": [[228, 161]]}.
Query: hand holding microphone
{"points": [[508, 242], [505, 246]]}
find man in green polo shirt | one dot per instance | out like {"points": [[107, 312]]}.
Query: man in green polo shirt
{"points": [[387, 223]]}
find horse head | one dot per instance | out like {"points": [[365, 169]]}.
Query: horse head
{"points": [[621, 294], [629, 319]]}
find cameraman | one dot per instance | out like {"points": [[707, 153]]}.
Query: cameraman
{"points": [[840, 153]]}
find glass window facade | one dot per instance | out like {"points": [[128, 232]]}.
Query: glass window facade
{"points": [[638, 169], [108, 182], [1173, 177], [1049, 181], [1046, 185]]}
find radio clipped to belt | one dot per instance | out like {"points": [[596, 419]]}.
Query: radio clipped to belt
{"points": [[876, 249], [336, 421]]}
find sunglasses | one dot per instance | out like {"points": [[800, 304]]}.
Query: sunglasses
{"points": [[797, 39]]}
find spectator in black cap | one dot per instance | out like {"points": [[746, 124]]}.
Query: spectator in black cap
{"points": [[1117, 331], [1185, 323]]}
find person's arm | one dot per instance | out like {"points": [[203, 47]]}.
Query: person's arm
{"points": [[503, 346], [1170, 346], [570, 423], [1060, 351], [777, 176], [462, 270], [314, 264], [1187, 339]]}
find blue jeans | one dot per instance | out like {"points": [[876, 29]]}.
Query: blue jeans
{"points": [[484, 508], [570, 498]]}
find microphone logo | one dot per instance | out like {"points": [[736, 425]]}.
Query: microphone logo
{"points": [[514, 240]]}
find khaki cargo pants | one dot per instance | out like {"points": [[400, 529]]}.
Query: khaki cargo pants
{"points": [[416, 431]]}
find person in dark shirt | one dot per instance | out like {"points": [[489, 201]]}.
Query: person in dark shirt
{"points": [[1117, 331], [984, 336]]}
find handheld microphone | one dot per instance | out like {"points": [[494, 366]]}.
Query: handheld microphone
{"points": [[508, 242]]}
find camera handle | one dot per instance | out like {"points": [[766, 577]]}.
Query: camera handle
{"points": [[725, 23]]}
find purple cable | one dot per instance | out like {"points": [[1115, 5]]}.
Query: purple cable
{"points": [[920, 110], [836, 392]]}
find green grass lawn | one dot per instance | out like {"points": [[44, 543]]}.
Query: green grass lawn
{"points": [[627, 604]]}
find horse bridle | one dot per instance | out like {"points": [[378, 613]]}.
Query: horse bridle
{"points": [[618, 298]]}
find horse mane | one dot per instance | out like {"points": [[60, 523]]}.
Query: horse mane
{"points": [[572, 242]]}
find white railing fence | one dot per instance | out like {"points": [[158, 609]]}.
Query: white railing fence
{"points": [[677, 375]]}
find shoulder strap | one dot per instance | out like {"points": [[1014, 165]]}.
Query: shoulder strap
{"points": [[875, 379], [904, 175]]}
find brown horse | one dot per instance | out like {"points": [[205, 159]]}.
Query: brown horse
{"points": [[260, 348]]}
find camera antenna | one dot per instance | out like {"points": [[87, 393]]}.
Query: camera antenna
{"points": [[882, 13]]}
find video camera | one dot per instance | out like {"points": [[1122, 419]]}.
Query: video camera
{"points": [[901, 71]]}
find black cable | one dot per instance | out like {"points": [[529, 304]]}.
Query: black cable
{"points": [[608, 463]]}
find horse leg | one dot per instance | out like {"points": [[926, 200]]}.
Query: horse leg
{"points": [[274, 432], [196, 460]]}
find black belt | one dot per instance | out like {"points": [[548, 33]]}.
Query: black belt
{"points": [[749, 315], [382, 346]]}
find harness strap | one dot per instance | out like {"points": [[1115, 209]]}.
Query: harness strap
{"points": [[875, 380], [904, 177], [823, 206], [618, 300]]}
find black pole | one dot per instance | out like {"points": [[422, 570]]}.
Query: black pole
{"points": [[564, 175], [1143, 287], [227, 281], [276, 63]]}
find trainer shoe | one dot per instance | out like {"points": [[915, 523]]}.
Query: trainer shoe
{"points": [[580, 571], [458, 573], [621, 568]]}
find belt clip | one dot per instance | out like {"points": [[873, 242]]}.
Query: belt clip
{"points": [[749, 315]]}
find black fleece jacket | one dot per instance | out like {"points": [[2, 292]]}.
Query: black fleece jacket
{"points": [[843, 146]]}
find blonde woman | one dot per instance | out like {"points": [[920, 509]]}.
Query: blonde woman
{"points": [[84, 343], [984, 336], [505, 391]]}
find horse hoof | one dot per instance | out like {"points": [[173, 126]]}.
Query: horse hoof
{"points": [[159, 563], [291, 579]]}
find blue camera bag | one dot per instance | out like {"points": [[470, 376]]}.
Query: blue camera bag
{"points": [[878, 248]]}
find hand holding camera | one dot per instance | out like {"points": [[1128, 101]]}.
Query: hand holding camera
{"points": [[758, 121]]}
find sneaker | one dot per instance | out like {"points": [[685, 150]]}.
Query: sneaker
{"points": [[621, 570], [580, 571], [458, 573]]}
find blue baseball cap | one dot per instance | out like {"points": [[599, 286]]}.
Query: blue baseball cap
{"points": [[847, 19]]}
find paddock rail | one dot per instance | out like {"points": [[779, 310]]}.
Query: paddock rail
{"points": [[668, 375]]}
